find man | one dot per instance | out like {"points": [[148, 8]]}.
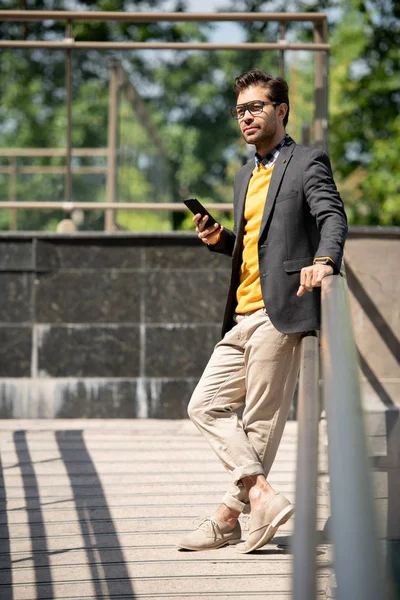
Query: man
{"points": [[289, 233]]}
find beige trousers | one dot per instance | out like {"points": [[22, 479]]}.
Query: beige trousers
{"points": [[254, 366]]}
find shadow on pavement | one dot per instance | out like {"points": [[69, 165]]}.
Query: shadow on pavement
{"points": [[104, 582], [6, 591]]}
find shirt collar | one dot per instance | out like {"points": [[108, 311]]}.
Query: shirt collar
{"points": [[272, 156]]}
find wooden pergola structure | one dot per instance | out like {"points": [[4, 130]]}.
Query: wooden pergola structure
{"points": [[68, 44]]}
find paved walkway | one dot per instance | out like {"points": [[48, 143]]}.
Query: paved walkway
{"points": [[92, 509]]}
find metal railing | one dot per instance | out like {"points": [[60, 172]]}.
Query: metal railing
{"points": [[69, 206], [69, 43], [13, 169], [119, 82], [308, 411], [358, 563]]}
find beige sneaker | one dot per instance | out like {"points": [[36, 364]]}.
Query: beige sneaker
{"points": [[210, 534], [264, 523]]}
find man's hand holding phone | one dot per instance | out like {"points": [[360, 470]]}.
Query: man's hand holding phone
{"points": [[208, 235], [207, 228]]}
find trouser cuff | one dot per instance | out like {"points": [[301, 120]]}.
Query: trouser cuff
{"points": [[251, 469], [235, 504]]}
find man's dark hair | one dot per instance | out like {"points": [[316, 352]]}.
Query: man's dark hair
{"points": [[276, 87]]}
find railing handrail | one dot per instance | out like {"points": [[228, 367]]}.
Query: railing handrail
{"points": [[354, 528], [95, 205], [51, 152], [143, 17], [305, 536], [319, 45], [358, 561]]}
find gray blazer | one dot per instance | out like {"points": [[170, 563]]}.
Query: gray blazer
{"points": [[303, 218]]}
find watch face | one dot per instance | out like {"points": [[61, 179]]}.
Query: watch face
{"points": [[323, 262]]}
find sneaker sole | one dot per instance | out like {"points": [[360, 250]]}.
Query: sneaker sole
{"points": [[232, 542], [269, 533]]}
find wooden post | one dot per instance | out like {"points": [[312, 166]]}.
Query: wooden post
{"points": [[305, 134], [68, 88], [282, 34], [12, 194], [112, 146], [321, 89]]}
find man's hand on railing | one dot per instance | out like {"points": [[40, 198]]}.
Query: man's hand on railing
{"points": [[311, 277]]}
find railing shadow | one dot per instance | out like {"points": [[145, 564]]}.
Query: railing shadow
{"points": [[381, 326], [373, 313], [92, 530], [390, 465], [6, 591], [37, 531], [106, 583], [374, 381]]}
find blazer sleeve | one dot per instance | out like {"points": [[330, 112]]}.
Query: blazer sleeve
{"points": [[326, 206], [225, 243], [227, 240]]}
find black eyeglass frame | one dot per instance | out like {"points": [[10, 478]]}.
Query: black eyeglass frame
{"points": [[246, 107]]}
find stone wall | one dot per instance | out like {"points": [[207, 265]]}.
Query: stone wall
{"points": [[122, 325], [106, 325], [372, 268]]}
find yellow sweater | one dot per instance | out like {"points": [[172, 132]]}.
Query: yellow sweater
{"points": [[248, 295]]}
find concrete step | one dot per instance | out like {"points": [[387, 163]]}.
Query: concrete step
{"points": [[12, 508], [125, 465], [95, 512], [82, 489], [157, 586], [145, 569], [115, 526], [146, 507], [153, 556], [101, 515]]}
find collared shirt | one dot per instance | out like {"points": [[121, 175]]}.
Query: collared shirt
{"points": [[272, 156]]}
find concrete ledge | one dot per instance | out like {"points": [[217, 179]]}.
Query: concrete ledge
{"points": [[83, 310], [156, 398]]}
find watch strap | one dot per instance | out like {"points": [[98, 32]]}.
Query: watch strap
{"points": [[326, 260]]}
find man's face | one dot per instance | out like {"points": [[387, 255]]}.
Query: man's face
{"points": [[260, 128]]}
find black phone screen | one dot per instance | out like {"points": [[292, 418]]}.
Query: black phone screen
{"points": [[197, 208]]}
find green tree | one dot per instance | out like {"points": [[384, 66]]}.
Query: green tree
{"points": [[365, 106], [188, 95], [364, 100], [190, 102], [32, 87]]}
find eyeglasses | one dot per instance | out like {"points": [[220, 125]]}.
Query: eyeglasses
{"points": [[254, 108]]}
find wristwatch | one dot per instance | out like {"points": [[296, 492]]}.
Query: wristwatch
{"points": [[325, 260]]}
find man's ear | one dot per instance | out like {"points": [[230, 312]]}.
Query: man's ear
{"points": [[282, 110]]}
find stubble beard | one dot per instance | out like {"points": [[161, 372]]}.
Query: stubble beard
{"points": [[260, 137]]}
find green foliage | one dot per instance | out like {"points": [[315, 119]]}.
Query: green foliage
{"points": [[33, 113], [187, 96], [137, 220], [365, 104]]}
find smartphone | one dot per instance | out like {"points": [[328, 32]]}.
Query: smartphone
{"points": [[197, 208]]}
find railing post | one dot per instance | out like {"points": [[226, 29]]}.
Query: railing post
{"points": [[321, 89], [305, 134], [68, 88], [305, 535], [358, 561], [12, 194], [282, 36], [112, 145]]}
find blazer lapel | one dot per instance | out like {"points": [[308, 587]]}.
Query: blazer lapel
{"points": [[279, 170]]}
